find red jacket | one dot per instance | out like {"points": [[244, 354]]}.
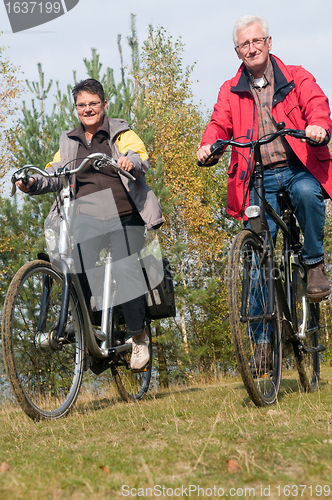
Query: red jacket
{"points": [[298, 101]]}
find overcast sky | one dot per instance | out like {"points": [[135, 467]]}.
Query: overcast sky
{"points": [[300, 29]]}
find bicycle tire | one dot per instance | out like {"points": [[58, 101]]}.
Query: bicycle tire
{"points": [[131, 386], [304, 311], [45, 382], [245, 281]]}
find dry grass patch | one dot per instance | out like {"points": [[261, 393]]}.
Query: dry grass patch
{"points": [[173, 439]]}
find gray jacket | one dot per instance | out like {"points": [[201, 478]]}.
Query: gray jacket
{"points": [[143, 197]]}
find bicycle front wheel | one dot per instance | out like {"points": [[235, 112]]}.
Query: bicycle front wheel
{"points": [[306, 325], [132, 386], [256, 331], [45, 382]]}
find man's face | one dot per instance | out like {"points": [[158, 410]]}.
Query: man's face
{"points": [[254, 56], [91, 116]]}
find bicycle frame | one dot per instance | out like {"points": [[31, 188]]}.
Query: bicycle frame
{"points": [[49, 337], [97, 350], [259, 221], [283, 286], [269, 311]]}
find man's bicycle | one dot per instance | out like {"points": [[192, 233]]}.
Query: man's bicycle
{"points": [[48, 338], [267, 296]]}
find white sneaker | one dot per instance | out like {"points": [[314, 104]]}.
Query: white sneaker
{"points": [[128, 339], [140, 354]]}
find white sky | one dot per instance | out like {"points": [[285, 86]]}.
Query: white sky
{"points": [[300, 29]]}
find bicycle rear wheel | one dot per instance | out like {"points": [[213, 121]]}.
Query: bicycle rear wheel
{"points": [[45, 382], [132, 386], [249, 320], [306, 325]]}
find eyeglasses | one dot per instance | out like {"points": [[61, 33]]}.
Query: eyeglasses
{"points": [[257, 42], [89, 104]]}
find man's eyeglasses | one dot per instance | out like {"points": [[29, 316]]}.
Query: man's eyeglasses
{"points": [[89, 104], [257, 42]]}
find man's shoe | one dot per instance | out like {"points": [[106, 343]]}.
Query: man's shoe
{"points": [[318, 286], [140, 354], [261, 362]]}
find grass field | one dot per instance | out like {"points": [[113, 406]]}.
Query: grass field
{"points": [[203, 441]]}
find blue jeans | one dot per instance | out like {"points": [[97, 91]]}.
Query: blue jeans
{"points": [[306, 196]]}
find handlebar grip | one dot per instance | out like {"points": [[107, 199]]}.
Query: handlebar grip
{"points": [[216, 148], [300, 134], [326, 140], [21, 175], [209, 162]]}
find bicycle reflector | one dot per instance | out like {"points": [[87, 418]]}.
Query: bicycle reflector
{"points": [[253, 213]]}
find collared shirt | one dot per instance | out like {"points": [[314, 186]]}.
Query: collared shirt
{"points": [[263, 91]]}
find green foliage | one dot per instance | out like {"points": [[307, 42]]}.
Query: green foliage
{"points": [[10, 90], [197, 229], [156, 99], [22, 235]]}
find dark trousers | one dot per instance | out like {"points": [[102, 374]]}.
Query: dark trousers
{"points": [[125, 238]]}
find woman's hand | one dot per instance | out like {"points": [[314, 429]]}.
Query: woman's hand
{"points": [[125, 163], [25, 187]]}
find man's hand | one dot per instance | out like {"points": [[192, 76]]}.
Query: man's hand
{"points": [[315, 132], [203, 153], [25, 187], [125, 163]]}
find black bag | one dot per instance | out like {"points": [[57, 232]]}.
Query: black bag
{"points": [[160, 300]]}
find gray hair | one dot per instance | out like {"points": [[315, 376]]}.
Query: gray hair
{"points": [[246, 21]]}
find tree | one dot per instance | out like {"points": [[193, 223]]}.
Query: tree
{"points": [[196, 233], [22, 236], [157, 101], [10, 90]]}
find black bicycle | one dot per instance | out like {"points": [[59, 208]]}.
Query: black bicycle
{"points": [[49, 338], [267, 296]]}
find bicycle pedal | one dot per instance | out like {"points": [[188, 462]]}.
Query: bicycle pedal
{"points": [[313, 350], [142, 370]]}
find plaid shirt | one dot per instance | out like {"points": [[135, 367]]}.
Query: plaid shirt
{"points": [[277, 150]]}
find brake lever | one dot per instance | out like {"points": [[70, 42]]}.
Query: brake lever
{"points": [[20, 176], [99, 164]]}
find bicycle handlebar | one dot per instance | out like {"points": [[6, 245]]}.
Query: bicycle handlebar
{"points": [[220, 145], [101, 161]]}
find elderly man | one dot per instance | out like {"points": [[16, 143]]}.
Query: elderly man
{"points": [[118, 218], [263, 93]]}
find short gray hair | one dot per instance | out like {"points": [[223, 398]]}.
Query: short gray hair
{"points": [[246, 21]]}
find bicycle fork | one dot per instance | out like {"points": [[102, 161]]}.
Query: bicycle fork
{"points": [[52, 339]]}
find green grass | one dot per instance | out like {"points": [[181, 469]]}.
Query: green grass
{"points": [[173, 439]]}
